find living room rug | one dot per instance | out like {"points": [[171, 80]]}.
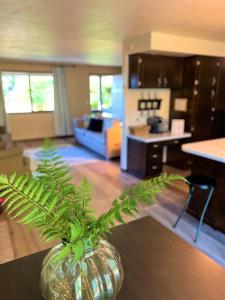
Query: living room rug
{"points": [[6, 248], [210, 241], [72, 154]]}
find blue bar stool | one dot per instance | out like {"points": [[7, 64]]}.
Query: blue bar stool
{"points": [[203, 183]]}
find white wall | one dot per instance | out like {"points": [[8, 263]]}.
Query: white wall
{"points": [[133, 116]]}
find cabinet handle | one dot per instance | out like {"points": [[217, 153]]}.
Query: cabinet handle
{"points": [[176, 142], [192, 128], [139, 83], [140, 60], [213, 109], [212, 118], [154, 167], [196, 81], [159, 82], [218, 64], [198, 62], [195, 92], [213, 93], [155, 156], [155, 146], [165, 81], [213, 81]]}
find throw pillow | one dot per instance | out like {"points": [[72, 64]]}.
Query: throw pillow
{"points": [[95, 125]]}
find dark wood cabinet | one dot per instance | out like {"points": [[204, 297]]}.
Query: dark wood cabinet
{"points": [[203, 86], [176, 157], [144, 159], [155, 71], [215, 214]]}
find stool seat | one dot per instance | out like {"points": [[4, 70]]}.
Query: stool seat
{"points": [[201, 180]]}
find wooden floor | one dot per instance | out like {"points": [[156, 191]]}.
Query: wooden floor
{"points": [[108, 182]]}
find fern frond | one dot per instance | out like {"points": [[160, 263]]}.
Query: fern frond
{"points": [[145, 192], [26, 203]]}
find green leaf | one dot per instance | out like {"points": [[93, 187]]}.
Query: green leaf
{"points": [[76, 230], [78, 250], [65, 252]]}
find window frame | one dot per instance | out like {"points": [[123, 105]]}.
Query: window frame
{"points": [[30, 90], [101, 102]]}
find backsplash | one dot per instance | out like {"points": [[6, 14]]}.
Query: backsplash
{"points": [[135, 117]]}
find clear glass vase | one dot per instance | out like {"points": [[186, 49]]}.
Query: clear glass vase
{"points": [[98, 276]]}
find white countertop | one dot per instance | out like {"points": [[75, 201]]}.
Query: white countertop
{"points": [[158, 137], [211, 149]]}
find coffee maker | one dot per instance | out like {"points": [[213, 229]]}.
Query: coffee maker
{"points": [[156, 124]]}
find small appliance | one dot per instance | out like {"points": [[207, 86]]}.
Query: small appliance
{"points": [[156, 124]]}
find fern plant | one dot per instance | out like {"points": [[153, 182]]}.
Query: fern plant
{"points": [[61, 210]]}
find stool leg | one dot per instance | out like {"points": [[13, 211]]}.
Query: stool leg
{"points": [[185, 205], [203, 213]]}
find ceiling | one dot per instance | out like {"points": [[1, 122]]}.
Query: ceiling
{"points": [[92, 31]]}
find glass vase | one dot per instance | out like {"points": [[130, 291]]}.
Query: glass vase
{"points": [[98, 276]]}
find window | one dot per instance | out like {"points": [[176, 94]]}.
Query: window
{"points": [[100, 87], [25, 93]]}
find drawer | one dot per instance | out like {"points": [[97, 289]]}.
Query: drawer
{"points": [[155, 146], [154, 157], [154, 169], [174, 142]]}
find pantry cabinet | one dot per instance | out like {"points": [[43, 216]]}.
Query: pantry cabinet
{"points": [[203, 86]]}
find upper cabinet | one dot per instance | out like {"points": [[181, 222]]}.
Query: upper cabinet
{"points": [[155, 71]]}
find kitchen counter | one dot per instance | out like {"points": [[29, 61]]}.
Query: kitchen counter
{"points": [[147, 153], [211, 149], [158, 137]]}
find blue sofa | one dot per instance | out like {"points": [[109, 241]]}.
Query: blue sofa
{"points": [[106, 143]]}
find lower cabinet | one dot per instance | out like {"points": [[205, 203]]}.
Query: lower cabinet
{"points": [[176, 158], [146, 159]]}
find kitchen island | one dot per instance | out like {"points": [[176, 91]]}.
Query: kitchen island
{"points": [[209, 159], [147, 153]]}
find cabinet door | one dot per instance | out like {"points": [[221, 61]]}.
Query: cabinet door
{"points": [[137, 158], [155, 71], [171, 71], [150, 71], [144, 71], [134, 71], [206, 109], [176, 158]]}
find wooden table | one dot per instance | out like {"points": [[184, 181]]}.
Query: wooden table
{"points": [[158, 265]]}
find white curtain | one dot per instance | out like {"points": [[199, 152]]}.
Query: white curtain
{"points": [[3, 116], [62, 119]]}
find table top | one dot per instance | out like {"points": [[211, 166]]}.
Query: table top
{"points": [[158, 265], [211, 149], [158, 137]]}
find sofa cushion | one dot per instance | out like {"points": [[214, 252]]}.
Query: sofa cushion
{"points": [[95, 136], [109, 123], [95, 125], [81, 131]]}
